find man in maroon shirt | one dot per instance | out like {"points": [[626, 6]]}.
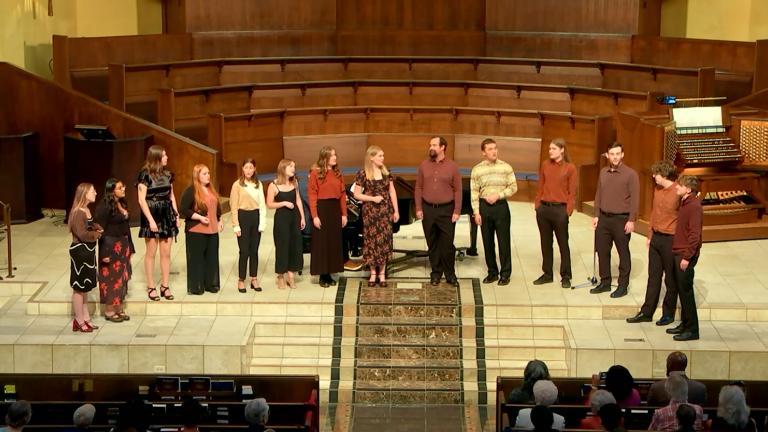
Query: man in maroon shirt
{"points": [[438, 205], [617, 201], [686, 246]]}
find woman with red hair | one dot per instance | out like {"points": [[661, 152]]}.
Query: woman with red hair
{"points": [[202, 213]]}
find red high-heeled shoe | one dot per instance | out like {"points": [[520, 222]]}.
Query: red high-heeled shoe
{"points": [[84, 327]]}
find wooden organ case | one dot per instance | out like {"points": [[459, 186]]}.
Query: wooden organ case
{"points": [[728, 157]]}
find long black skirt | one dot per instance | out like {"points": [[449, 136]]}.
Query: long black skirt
{"points": [[326, 250], [83, 273]]}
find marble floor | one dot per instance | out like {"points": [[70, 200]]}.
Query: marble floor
{"points": [[291, 331]]}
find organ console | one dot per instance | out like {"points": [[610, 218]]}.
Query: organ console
{"points": [[700, 144]]}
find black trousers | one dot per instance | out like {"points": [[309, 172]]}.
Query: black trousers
{"points": [[661, 261], [610, 230], [202, 262], [248, 242], [553, 219], [688, 313], [439, 232], [496, 222]]}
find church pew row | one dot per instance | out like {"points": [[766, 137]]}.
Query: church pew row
{"points": [[137, 84], [293, 399], [403, 133], [573, 404], [185, 111]]}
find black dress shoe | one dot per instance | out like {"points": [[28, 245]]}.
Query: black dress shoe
{"points": [[665, 320], [453, 281], [565, 283], [686, 336], [324, 283], [676, 330], [490, 279], [620, 292], [543, 279], [640, 317], [434, 281], [471, 252], [213, 289], [603, 287], [504, 281]]}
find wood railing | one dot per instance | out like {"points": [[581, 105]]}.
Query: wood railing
{"points": [[6, 230]]}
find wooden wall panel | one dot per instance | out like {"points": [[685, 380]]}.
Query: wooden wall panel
{"points": [[350, 150], [91, 52], [616, 48], [244, 15], [680, 52], [410, 43], [521, 153], [575, 16], [277, 43], [51, 110], [389, 15]]}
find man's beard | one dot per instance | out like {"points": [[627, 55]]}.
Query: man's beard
{"points": [[433, 155]]}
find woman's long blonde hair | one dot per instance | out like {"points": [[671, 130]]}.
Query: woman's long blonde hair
{"points": [[368, 165], [282, 177], [200, 195], [80, 201]]}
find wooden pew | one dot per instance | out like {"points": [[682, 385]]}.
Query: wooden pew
{"points": [[134, 86], [293, 399], [269, 135], [184, 111]]}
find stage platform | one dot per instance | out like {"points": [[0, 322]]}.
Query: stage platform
{"points": [[314, 330]]}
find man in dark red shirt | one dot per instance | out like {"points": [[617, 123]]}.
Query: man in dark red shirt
{"points": [[617, 201], [686, 246], [437, 198]]}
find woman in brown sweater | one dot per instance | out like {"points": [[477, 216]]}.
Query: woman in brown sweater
{"points": [[83, 275]]}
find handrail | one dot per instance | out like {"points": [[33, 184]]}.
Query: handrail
{"points": [[7, 223]]}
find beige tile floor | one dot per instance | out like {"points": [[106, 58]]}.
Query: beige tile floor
{"points": [[215, 333]]}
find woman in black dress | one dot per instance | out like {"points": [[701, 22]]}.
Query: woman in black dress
{"points": [[159, 218], [374, 187], [82, 256], [283, 195], [115, 250]]}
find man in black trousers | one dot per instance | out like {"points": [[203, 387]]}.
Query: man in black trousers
{"points": [[438, 204], [687, 245], [492, 183], [616, 205]]}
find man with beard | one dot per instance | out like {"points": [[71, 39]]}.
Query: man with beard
{"points": [[616, 205], [438, 205]]}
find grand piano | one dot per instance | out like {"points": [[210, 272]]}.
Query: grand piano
{"points": [[731, 167]]}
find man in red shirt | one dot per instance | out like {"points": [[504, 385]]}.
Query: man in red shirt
{"points": [[437, 198], [686, 246]]}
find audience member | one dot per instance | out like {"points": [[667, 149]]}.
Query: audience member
{"points": [[676, 364], [620, 383], [541, 417], [545, 394], [17, 416], [665, 419], [257, 415], [191, 414], [83, 417], [597, 399], [686, 418], [535, 370], [611, 418], [732, 411]]}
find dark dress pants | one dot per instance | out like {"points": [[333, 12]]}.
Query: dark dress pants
{"points": [[688, 313], [496, 222], [248, 243], [439, 232], [610, 230], [202, 262], [554, 220], [661, 260]]}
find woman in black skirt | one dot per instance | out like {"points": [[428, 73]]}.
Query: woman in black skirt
{"points": [[283, 196], [115, 250], [328, 206], [82, 256], [159, 219]]}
